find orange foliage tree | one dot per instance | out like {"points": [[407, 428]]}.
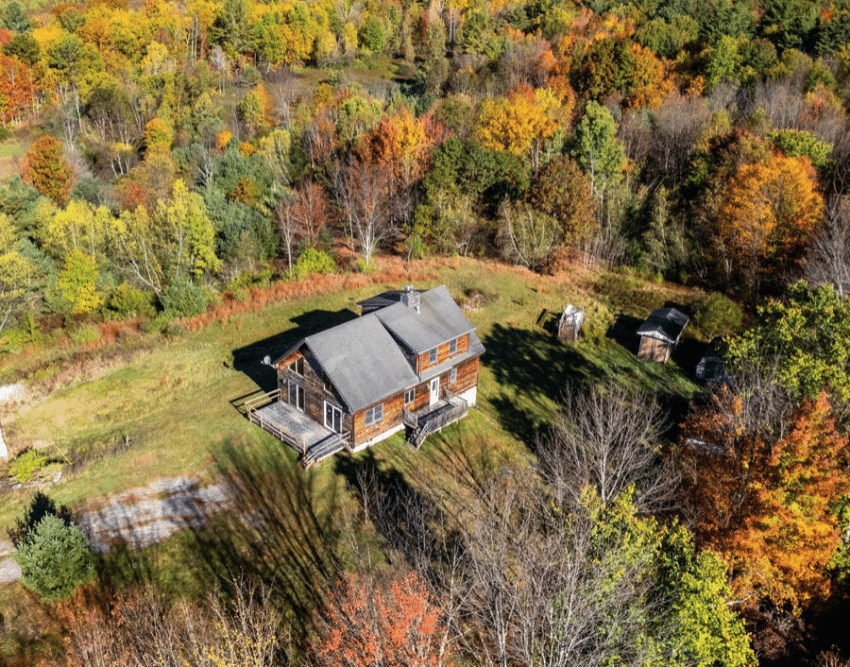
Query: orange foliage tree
{"points": [[17, 89], [362, 625], [47, 171], [768, 214], [767, 509]]}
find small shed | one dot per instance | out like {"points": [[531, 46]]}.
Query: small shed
{"points": [[710, 367], [660, 334], [570, 323]]}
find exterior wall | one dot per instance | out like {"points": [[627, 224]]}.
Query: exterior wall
{"points": [[392, 418], [654, 349], [313, 383], [467, 376], [442, 354]]}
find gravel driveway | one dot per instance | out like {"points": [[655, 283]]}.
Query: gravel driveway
{"points": [[140, 517]]}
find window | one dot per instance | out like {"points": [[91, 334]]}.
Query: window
{"points": [[297, 366], [296, 396], [453, 346], [453, 375], [409, 395], [328, 385], [374, 415], [432, 356]]}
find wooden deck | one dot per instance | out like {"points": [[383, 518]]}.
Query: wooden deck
{"points": [[312, 440], [432, 418]]}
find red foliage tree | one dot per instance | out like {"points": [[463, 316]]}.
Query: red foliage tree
{"points": [[47, 171], [766, 509], [364, 626], [16, 89]]}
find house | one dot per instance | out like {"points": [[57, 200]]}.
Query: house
{"points": [[660, 334], [409, 362]]}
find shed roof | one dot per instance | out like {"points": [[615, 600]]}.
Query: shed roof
{"points": [[664, 324], [437, 320], [362, 361]]}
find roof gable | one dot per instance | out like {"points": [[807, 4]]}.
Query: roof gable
{"points": [[362, 361], [665, 324], [437, 321]]}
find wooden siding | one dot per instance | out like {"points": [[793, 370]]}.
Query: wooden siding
{"points": [[392, 417], [422, 363], [654, 349], [467, 376], [313, 383]]}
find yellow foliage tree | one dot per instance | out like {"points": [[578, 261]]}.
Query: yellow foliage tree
{"points": [[768, 214], [520, 123]]}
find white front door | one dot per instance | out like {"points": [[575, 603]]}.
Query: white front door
{"points": [[435, 390]]}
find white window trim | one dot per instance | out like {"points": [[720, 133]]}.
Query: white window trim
{"points": [[453, 346], [412, 394], [294, 367], [374, 415], [432, 356]]}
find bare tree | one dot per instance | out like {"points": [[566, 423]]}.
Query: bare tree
{"points": [[828, 260], [361, 189], [608, 439], [675, 127], [289, 225]]}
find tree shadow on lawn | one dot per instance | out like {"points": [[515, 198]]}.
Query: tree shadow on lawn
{"points": [[532, 369], [249, 359], [280, 531]]}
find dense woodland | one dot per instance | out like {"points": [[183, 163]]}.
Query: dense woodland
{"points": [[179, 153]]}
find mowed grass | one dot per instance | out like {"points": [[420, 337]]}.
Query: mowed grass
{"points": [[172, 409]]}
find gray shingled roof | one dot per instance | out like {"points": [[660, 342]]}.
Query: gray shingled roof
{"points": [[362, 360], [664, 324], [439, 320], [384, 299]]}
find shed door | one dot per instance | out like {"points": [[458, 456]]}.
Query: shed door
{"points": [[435, 390]]}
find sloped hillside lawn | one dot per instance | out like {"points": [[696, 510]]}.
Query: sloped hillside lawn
{"points": [[155, 405]]}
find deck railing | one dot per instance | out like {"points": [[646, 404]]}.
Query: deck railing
{"points": [[283, 434], [433, 418]]}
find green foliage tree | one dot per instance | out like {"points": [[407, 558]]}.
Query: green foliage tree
{"points": [[55, 559], [718, 315], [372, 34], [809, 337], [24, 47], [183, 298], [796, 143], [597, 150], [40, 506], [14, 18]]}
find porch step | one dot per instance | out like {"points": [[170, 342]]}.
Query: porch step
{"points": [[323, 449]]}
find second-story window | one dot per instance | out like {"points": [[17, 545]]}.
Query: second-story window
{"points": [[297, 366], [453, 346], [432, 356]]}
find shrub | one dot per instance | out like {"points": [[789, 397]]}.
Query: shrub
{"points": [[26, 464], [183, 298], [84, 334], [157, 324], [127, 302], [55, 558], [718, 315], [313, 261]]}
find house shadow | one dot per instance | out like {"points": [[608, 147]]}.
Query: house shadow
{"points": [[624, 332], [249, 359]]}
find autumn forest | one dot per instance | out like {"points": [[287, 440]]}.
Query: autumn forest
{"points": [[162, 157]]}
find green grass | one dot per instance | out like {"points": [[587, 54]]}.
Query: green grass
{"points": [[175, 401]]}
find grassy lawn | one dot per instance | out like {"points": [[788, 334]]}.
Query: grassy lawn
{"points": [[171, 409]]}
